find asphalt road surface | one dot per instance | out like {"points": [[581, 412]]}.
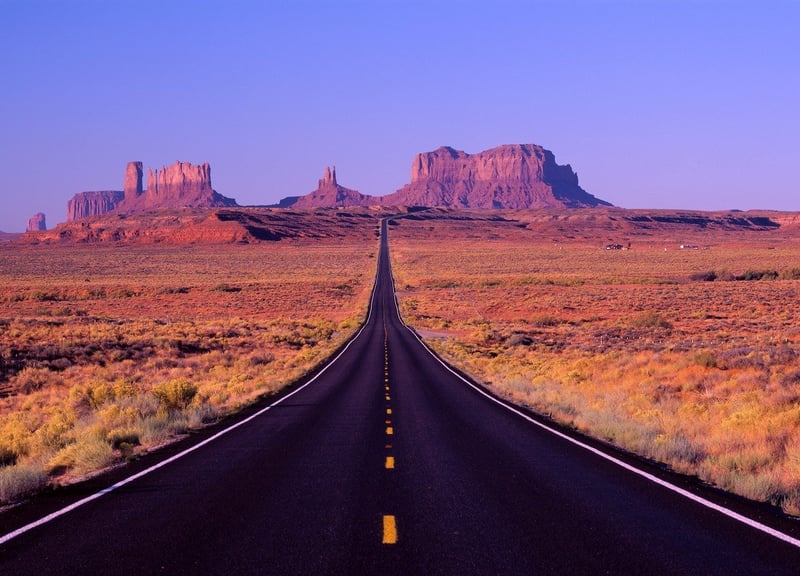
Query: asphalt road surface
{"points": [[388, 463]]}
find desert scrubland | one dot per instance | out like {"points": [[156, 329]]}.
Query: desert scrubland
{"points": [[687, 356], [107, 351]]}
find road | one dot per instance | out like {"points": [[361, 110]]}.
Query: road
{"points": [[387, 463]]}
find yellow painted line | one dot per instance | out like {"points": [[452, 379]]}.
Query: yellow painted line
{"points": [[388, 421], [390, 462], [388, 410], [389, 529], [388, 397], [389, 430]]}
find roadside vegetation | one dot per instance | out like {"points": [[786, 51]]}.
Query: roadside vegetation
{"points": [[690, 358], [109, 351]]}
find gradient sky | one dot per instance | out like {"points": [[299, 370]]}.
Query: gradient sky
{"points": [[655, 104]]}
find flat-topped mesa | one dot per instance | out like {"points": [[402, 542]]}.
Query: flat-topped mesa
{"points": [[85, 204], [330, 194], [36, 223], [511, 176]]}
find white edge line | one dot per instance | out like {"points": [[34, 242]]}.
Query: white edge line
{"points": [[655, 479], [61, 512]]}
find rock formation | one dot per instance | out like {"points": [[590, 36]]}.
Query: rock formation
{"points": [[512, 176], [181, 185], [85, 204], [37, 223], [178, 182], [330, 194], [133, 181]]}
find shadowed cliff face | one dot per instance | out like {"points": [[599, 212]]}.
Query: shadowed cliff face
{"points": [[181, 185], [37, 223]]}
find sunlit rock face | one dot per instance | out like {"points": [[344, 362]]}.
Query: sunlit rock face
{"points": [[181, 185], [512, 176]]}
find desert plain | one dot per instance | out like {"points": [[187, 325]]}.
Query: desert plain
{"points": [[670, 335]]}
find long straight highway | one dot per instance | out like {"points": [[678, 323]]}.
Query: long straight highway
{"points": [[387, 462]]}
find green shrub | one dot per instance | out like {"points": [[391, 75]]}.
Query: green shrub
{"points": [[650, 319], [88, 454], [175, 394], [705, 359], [224, 287], [17, 481], [120, 436], [32, 379]]}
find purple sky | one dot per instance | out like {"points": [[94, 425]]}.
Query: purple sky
{"points": [[655, 104]]}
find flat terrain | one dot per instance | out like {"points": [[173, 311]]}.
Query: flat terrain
{"points": [[386, 462], [110, 349], [685, 355]]}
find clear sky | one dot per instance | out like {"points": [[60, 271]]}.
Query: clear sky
{"points": [[656, 104]]}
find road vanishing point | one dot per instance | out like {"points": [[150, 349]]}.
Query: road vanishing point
{"points": [[389, 462]]}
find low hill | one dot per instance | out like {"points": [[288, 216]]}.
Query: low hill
{"points": [[211, 226], [601, 225]]}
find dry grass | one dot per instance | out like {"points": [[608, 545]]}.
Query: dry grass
{"points": [[638, 347], [109, 351]]}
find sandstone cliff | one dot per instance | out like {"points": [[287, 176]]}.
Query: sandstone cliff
{"points": [[330, 194], [36, 223], [85, 204], [181, 185], [133, 181], [512, 176]]}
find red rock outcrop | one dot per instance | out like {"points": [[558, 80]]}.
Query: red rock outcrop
{"points": [[37, 223], [85, 204], [181, 185], [512, 176], [133, 181], [330, 194]]}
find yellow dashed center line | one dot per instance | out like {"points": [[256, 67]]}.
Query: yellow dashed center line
{"points": [[389, 529], [389, 521]]}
